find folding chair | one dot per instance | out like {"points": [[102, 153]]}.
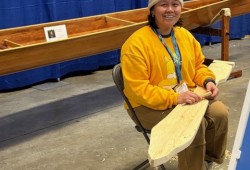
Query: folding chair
{"points": [[118, 79]]}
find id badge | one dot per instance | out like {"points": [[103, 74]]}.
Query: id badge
{"points": [[182, 88]]}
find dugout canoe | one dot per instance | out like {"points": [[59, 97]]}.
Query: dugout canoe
{"points": [[26, 47]]}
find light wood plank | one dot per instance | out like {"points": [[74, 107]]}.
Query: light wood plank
{"points": [[176, 132], [222, 70]]}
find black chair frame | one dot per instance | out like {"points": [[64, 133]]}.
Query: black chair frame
{"points": [[118, 80]]}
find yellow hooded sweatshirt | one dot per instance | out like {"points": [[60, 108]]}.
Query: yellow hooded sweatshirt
{"points": [[148, 69]]}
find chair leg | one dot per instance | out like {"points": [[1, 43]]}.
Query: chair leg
{"points": [[162, 167], [141, 165], [146, 162]]}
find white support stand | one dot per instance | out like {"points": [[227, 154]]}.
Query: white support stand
{"points": [[236, 153]]}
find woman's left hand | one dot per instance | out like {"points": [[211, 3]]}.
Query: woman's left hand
{"points": [[213, 89]]}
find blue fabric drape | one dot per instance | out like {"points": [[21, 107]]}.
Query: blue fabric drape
{"points": [[19, 12], [14, 13]]}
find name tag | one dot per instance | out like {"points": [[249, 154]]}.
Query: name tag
{"points": [[182, 88]]}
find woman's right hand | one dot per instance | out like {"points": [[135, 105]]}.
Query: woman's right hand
{"points": [[188, 97]]}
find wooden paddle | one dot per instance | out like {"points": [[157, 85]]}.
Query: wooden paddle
{"points": [[177, 131]]}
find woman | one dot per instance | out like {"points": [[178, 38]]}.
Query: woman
{"points": [[161, 64]]}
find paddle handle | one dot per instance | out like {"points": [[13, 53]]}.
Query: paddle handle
{"points": [[203, 96], [206, 94]]}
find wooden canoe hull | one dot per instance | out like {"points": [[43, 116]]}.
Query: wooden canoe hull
{"points": [[87, 36], [239, 7], [34, 56], [26, 47]]}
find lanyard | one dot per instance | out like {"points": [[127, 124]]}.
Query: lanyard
{"points": [[176, 59]]}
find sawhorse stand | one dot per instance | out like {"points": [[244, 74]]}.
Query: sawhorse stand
{"points": [[225, 15]]}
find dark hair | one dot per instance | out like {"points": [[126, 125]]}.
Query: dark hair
{"points": [[152, 23]]}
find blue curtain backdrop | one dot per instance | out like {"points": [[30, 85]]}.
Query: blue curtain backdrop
{"points": [[14, 13]]}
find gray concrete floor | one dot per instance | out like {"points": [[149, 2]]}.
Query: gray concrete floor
{"points": [[79, 123]]}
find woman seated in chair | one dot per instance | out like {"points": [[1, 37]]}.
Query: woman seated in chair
{"points": [[161, 64]]}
